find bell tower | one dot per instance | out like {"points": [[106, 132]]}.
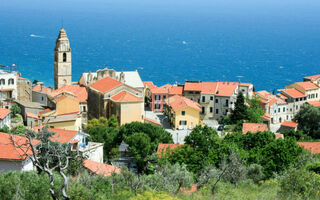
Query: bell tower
{"points": [[62, 61]]}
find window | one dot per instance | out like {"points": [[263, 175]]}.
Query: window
{"points": [[42, 98], [56, 57], [316, 95], [312, 96], [198, 100], [305, 98], [211, 98], [183, 122], [211, 109], [157, 97], [284, 109], [287, 117], [227, 102], [64, 57], [84, 109], [301, 99], [217, 111], [183, 112], [203, 98], [308, 96], [11, 81], [243, 90], [217, 100], [164, 106], [275, 111], [2, 81], [164, 97], [279, 110], [156, 106], [203, 110], [297, 107]]}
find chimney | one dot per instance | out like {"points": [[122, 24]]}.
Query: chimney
{"points": [[41, 85]]}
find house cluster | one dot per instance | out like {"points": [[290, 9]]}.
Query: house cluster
{"points": [[67, 107]]}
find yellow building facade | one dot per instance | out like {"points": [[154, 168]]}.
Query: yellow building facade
{"points": [[183, 113]]}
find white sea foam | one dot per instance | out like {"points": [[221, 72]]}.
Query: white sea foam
{"points": [[184, 42]]}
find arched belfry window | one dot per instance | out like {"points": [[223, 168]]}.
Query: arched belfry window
{"points": [[2, 82], [64, 57], [11, 81]]}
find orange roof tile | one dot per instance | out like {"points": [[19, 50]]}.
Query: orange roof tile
{"points": [[32, 115], [162, 148], [125, 97], [5, 90], [209, 87], [267, 97], [152, 121], [176, 90], [161, 90], [42, 89], [282, 96], [279, 135], [289, 124], [307, 85], [149, 84], [266, 116], [78, 91], [293, 93], [20, 78], [8, 149], [245, 84], [226, 89], [253, 127], [314, 147], [101, 168], [105, 84], [177, 102], [192, 86], [313, 78], [4, 112], [45, 111], [61, 135], [314, 103]]}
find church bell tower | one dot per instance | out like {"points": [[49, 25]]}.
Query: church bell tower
{"points": [[62, 61]]}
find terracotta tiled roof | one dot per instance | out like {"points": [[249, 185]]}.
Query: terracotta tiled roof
{"points": [[105, 84], [245, 84], [8, 149], [266, 116], [253, 127], [4, 112], [313, 78], [101, 168], [267, 97], [149, 84], [226, 89], [45, 111], [20, 78], [152, 121], [78, 91], [279, 135], [282, 96], [5, 90], [42, 89], [192, 86], [307, 85], [314, 103], [289, 124], [61, 135], [293, 93], [32, 115], [125, 97], [314, 147], [63, 97], [161, 90], [209, 87], [178, 102], [162, 148], [176, 90]]}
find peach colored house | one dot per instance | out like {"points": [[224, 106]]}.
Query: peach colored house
{"points": [[109, 97], [160, 94]]}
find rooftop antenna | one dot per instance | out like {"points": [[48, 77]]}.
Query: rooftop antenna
{"points": [[61, 22]]}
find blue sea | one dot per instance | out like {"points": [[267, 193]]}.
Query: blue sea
{"points": [[270, 43]]}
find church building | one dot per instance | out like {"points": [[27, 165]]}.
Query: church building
{"points": [[62, 61]]}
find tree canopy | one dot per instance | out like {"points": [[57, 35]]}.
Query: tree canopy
{"points": [[308, 118]]}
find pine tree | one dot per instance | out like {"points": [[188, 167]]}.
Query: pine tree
{"points": [[240, 112]]}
